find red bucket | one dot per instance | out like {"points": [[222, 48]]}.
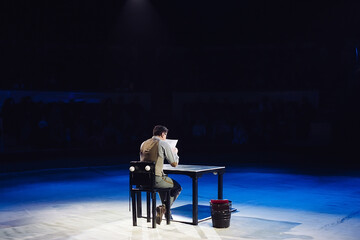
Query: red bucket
{"points": [[220, 213]]}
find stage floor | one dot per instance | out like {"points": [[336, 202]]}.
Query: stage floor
{"points": [[93, 203]]}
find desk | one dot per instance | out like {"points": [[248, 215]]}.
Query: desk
{"points": [[196, 171]]}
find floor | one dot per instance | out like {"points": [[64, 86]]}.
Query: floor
{"points": [[93, 203]]}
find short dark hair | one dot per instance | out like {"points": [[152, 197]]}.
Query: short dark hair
{"points": [[158, 130]]}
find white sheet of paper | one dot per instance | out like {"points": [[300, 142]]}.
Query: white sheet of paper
{"points": [[172, 142]]}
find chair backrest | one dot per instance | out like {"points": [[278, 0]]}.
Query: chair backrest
{"points": [[142, 173]]}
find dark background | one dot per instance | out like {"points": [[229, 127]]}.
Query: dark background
{"points": [[164, 48]]}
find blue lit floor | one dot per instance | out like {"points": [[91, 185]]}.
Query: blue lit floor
{"points": [[92, 203]]}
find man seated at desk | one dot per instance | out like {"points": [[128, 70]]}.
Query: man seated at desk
{"points": [[156, 149]]}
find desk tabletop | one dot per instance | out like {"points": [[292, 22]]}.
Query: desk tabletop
{"points": [[192, 168]]}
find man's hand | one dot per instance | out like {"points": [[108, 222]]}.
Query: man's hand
{"points": [[175, 151]]}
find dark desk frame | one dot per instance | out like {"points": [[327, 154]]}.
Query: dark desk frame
{"points": [[195, 172]]}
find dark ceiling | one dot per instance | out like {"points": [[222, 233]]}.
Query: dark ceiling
{"points": [[41, 39]]}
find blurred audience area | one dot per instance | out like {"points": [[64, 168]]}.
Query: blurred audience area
{"points": [[76, 124], [198, 119]]}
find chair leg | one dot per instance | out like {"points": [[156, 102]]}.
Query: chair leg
{"points": [[153, 209], [168, 208], [148, 206], [133, 209], [139, 211]]}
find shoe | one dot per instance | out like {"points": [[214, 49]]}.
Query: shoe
{"points": [[160, 210]]}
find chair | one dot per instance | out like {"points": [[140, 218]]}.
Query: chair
{"points": [[142, 179]]}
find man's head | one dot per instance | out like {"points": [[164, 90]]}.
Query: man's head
{"points": [[160, 131]]}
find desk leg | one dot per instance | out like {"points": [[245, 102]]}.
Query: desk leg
{"points": [[220, 186], [195, 201]]}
